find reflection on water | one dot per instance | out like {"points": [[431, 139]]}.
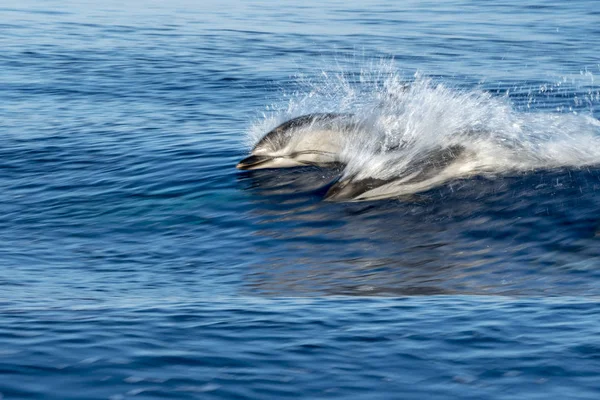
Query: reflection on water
{"points": [[514, 235]]}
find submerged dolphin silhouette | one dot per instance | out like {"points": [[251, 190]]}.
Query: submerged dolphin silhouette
{"points": [[313, 139]]}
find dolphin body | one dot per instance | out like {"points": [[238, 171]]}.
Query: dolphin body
{"points": [[427, 171], [312, 139]]}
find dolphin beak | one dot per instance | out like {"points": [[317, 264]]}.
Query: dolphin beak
{"points": [[252, 162], [339, 191], [348, 190]]}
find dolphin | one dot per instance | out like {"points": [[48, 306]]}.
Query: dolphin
{"points": [[312, 139], [421, 174]]}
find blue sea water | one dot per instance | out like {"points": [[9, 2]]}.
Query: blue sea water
{"points": [[137, 262]]}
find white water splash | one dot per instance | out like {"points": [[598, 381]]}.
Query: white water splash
{"points": [[401, 120]]}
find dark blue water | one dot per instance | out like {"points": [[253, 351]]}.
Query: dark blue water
{"points": [[136, 262]]}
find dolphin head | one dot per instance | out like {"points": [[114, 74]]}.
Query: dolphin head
{"points": [[351, 189], [254, 162], [312, 139], [420, 174], [269, 161], [269, 152]]}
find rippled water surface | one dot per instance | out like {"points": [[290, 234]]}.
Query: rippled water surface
{"points": [[137, 262]]}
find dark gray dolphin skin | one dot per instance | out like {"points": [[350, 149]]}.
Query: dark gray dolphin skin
{"points": [[312, 139], [422, 174]]}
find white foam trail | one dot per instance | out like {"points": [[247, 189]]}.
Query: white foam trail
{"points": [[400, 121]]}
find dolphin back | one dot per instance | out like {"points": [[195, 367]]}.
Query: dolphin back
{"points": [[280, 136]]}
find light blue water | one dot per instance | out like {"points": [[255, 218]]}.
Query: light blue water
{"points": [[136, 262]]}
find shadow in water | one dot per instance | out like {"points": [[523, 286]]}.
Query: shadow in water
{"points": [[534, 234]]}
